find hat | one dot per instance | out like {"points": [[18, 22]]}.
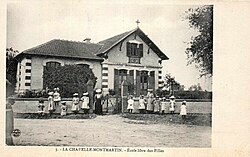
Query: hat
{"points": [[50, 93], [150, 90], [98, 91], [85, 93], [76, 94], [63, 102], [184, 102], [172, 97], [157, 96]]}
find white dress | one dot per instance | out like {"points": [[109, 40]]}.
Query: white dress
{"points": [[85, 102], [183, 110], [141, 104], [130, 104], [63, 110], [57, 97], [172, 103], [50, 103], [164, 105], [75, 104]]}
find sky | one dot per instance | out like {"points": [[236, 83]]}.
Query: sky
{"points": [[31, 24]]}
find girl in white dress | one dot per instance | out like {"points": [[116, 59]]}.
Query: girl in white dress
{"points": [[75, 103], [142, 102], [130, 104], [57, 97], [51, 106], [163, 105], [85, 102], [183, 111], [41, 107], [172, 104], [63, 109]]}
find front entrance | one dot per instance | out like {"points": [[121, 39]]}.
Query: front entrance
{"points": [[139, 81]]}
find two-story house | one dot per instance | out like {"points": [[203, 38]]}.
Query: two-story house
{"points": [[130, 56]]}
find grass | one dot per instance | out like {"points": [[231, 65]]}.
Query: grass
{"points": [[191, 119]]}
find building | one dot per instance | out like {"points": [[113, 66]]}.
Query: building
{"points": [[130, 56]]}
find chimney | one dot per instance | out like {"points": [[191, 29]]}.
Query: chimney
{"points": [[87, 40]]}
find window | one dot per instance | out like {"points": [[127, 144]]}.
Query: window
{"points": [[53, 64], [27, 77], [134, 52], [28, 70], [27, 84], [144, 80], [28, 64]]}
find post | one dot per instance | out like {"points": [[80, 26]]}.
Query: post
{"points": [[124, 94], [90, 89], [9, 121]]}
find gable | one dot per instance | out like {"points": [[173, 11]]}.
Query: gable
{"points": [[109, 43]]}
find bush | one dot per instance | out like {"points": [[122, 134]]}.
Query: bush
{"points": [[185, 94], [69, 79], [33, 94]]}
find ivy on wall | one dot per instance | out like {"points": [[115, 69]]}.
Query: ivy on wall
{"points": [[69, 78]]}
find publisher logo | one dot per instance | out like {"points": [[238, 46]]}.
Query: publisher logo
{"points": [[16, 132]]}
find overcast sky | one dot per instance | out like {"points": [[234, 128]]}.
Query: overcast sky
{"points": [[31, 24]]}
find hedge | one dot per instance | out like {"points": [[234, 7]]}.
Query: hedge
{"points": [[69, 79]]}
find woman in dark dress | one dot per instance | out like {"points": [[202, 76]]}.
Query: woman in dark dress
{"points": [[98, 102]]}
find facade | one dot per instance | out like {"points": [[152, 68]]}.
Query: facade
{"points": [[130, 56]]}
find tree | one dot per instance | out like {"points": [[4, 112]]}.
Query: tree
{"points": [[195, 87], [11, 65], [200, 51], [171, 83]]}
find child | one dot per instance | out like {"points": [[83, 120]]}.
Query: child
{"points": [[183, 111], [63, 109], [163, 105], [157, 105], [75, 103], [172, 104], [51, 106], [142, 104], [130, 104], [85, 102], [41, 107], [150, 99], [57, 97]]}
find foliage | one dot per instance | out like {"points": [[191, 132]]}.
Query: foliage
{"points": [[201, 50], [171, 83], [33, 94], [195, 87], [69, 79], [185, 94], [11, 68]]}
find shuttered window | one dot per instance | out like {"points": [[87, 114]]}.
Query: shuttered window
{"points": [[134, 52]]}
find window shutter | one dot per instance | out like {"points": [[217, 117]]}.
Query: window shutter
{"points": [[141, 50], [129, 49], [116, 80]]}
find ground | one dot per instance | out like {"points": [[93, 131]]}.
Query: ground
{"points": [[112, 130]]}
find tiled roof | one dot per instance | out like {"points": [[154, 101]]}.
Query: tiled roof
{"points": [[110, 42], [65, 48]]}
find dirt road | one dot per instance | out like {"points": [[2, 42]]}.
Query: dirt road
{"points": [[110, 130]]}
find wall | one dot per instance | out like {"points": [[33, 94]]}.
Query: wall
{"points": [[39, 62]]}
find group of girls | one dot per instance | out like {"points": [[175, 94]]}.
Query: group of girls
{"points": [[151, 104], [54, 99]]}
